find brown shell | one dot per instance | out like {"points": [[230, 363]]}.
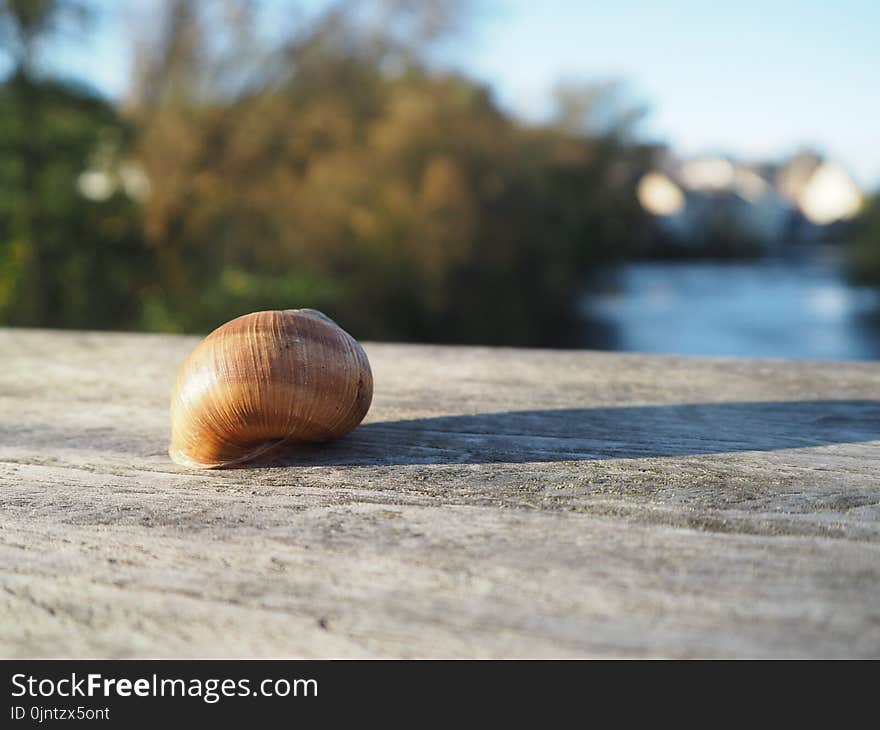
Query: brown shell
{"points": [[265, 379]]}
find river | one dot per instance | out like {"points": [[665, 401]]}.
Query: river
{"points": [[779, 308]]}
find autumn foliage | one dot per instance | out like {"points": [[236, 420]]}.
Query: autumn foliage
{"points": [[334, 168]]}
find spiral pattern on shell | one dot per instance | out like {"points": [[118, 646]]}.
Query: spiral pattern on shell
{"points": [[264, 380]]}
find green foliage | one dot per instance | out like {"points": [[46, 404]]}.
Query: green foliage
{"points": [[413, 207], [403, 203], [65, 261], [865, 245]]}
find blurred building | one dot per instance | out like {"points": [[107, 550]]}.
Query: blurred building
{"points": [[715, 203]]}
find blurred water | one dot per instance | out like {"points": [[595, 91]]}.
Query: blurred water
{"points": [[801, 308]]}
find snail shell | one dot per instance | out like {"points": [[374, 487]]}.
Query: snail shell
{"points": [[265, 379]]}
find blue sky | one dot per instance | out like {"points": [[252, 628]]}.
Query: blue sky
{"points": [[753, 79]]}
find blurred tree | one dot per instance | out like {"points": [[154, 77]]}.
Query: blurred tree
{"points": [[347, 175], [327, 164], [598, 109], [865, 244], [65, 260]]}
